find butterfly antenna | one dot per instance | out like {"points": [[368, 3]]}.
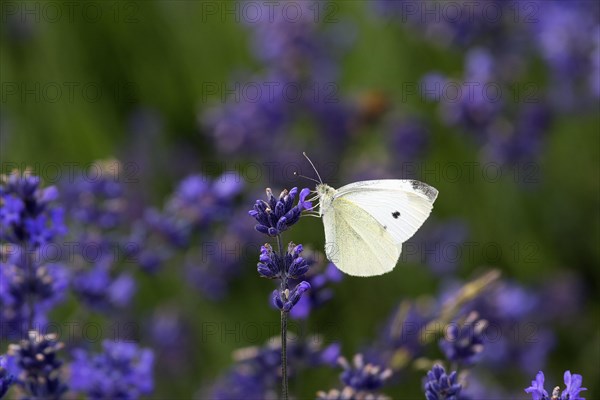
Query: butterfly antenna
{"points": [[306, 177], [313, 165]]}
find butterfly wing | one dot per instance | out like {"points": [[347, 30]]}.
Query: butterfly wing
{"points": [[356, 242], [399, 206]]}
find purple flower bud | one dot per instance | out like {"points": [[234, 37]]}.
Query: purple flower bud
{"points": [[277, 215]]}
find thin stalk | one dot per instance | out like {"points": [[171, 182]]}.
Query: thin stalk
{"points": [[284, 378]]}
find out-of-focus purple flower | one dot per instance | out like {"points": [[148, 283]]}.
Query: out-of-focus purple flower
{"points": [[122, 370], [295, 47], [463, 343], [473, 105], [102, 289], [573, 387], [443, 246], [532, 349], [320, 290], [197, 201], [256, 374], [403, 331], [594, 77], [26, 280], [409, 140], [566, 36], [27, 213], [440, 386], [258, 112], [363, 376], [96, 197], [562, 296], [37, 366], [217, 261], [6, 378], [471, 25], [277, 215], [508, 306], [507, 300], [521, 142], [333, 116], [349, 393], [300, 58], [171, 338]]}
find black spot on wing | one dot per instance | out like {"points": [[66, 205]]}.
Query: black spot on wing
{"points": [[396, 214]]}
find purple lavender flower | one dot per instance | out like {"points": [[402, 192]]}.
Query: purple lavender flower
{"points": [[198, 199], [216, 262], [27, 213], [294, 47], [409, 140], [476, 108], [360, 381], [440, 386], [301, 64], [447, 239], [171, 339], [572, 388], [464, 343], [275, 216], [403, 331], [242, 124], [6, 378], [103, 290], [197, 202], [521, 142], [564, 35], [257, 369], [320, 292], [286, 300], [349, 393], [272, 266], [363, 376], [122, 370], [38, 366], [507, 305], [99, 200], [29, 287], [472, 25]]}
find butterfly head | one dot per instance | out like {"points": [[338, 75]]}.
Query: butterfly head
{"points": [[326, 194], [325, 191]]}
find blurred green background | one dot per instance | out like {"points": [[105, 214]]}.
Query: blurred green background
{"points": [[159, 55]]}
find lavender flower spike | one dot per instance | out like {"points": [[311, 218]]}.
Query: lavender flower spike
{"points": [[440, 386], [122, 371], [277, 215], [573, 388], [37, 366]]}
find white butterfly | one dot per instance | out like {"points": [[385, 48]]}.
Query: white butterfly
{"points": [[367, 222]]}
